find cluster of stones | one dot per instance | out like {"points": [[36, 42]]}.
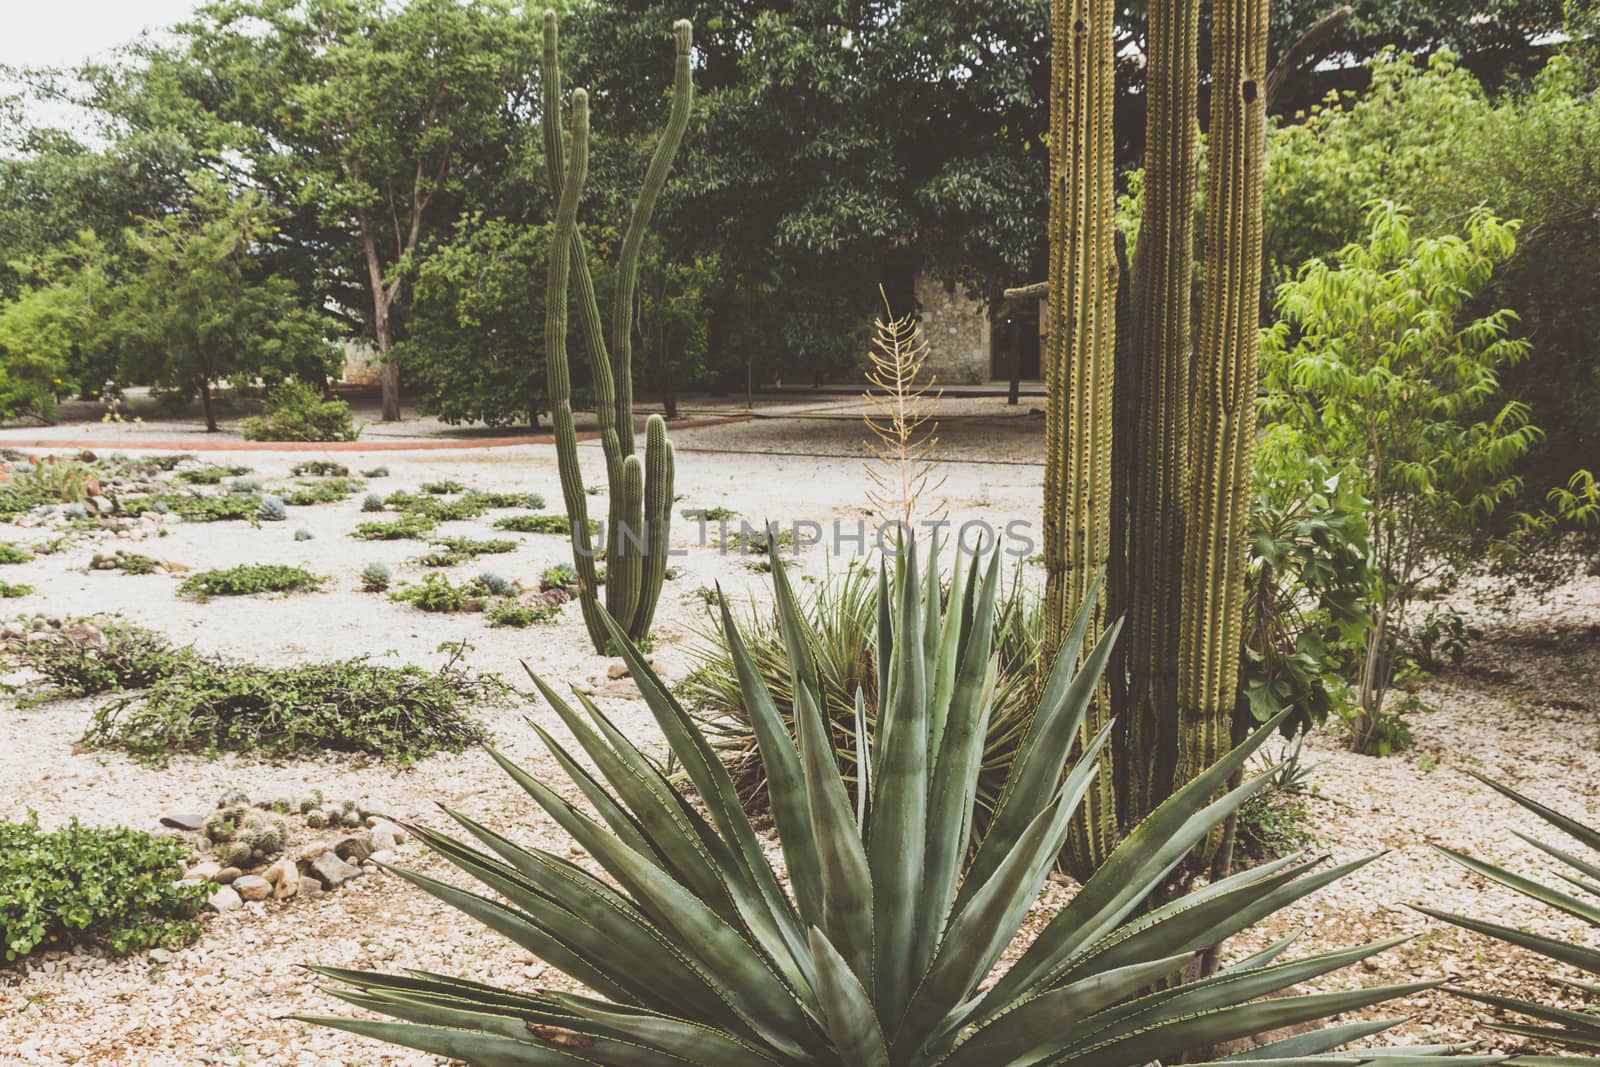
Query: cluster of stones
{"points": [[40, 627], [259, 865]]}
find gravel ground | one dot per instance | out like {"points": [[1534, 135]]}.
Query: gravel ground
{"points": [[1521, 708]]}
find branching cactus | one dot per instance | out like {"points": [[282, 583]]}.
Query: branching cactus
{"points": [[640, 492]]}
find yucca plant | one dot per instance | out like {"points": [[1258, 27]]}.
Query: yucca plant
{"points": [[1576, 1029], [876, 950]]}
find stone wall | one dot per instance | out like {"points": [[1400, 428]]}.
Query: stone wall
{"points": [[360, 364], [957, 332]]}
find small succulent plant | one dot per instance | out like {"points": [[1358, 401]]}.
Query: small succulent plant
{"points": [[374, 579], [373, 502], [497, 586], [376, 472], [314, 819], [302, 534], [245, 485], [271, 509]]}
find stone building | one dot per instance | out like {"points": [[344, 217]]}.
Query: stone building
{"points": [[968, 346]]}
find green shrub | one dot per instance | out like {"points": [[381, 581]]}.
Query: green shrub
{"points": [[113, 888], [400, 714], [298, 411], [320, 468], [375, 578], [561, 576], [519, 616], [436, 594], [327, 491], [14, 554], [495, 585], [248, 579], [11, 590], [84, 661], [445, 487], [467, 547], [209, 474], [542, 524], [376, 472], [245, 485], [194, 508], [405, 528], [492, 501]]}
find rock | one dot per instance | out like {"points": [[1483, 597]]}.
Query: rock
{"points": [[285, 879], [232, 798], [227, 875], [617, 670], [383, 855], [332, 871], [252, 887], [310, 888], [310, 852], [204, 871], [183, 820], [384, 838], [354, 848], [225, 900], [160, 955]]}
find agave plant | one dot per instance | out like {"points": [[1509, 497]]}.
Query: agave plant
{"points": [[838, 620], [1575, 1029], [876, 949]]}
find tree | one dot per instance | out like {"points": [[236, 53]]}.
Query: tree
{"points": [[195, 307], [368, 120], [1377, 361], [53, 340]]}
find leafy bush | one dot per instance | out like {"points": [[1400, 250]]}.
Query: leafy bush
{"points": [[114, 888], [885, 943], [542, 524], [400, 714], [12, 590], [437, 594], [320, 468], [209, 474], [518, 616], [328, 491], [443, 488], [194, 508], [495, 585], [85, 660], [561, 576], [248, 579], [405, 528], [298, 411], [10, 553], [467, 547]]}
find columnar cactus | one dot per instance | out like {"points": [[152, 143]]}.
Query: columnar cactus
{"points": [[640, 494], [1079, 373], [1223, 418], [1153, 405]]}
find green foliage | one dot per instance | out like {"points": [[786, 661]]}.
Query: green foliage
{"points": [[113, 888], [270, 509], [245, 485], [115, 656], [248, 579], [1379, 363], [443, 488], [197, 306], [53, 339], [320, 468], [405, 528], [468, 547], [195, 508], [376, 472], [374, 578], [1306, 586], [884, 944], [374, 502], [399, 714], [10, 553], [326, 491], [545, 524], [298, 411], [519, 616], [14, 590], [209, 474], [437, 594], [1578, 1030], [560, 576], [472, 317]]}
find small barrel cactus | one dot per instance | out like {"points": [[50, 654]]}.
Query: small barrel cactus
{"points": [[373, 502], [314, 819], [302, 534], [271, 509], [374, 579]]}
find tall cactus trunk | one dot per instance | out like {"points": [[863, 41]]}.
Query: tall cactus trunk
{"points": [[1223, 418], [638, 524], [1153, 414], [1079, 360]]}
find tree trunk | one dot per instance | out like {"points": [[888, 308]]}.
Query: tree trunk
{"points": [[1015, 392], [205, 403], [388, 370]]}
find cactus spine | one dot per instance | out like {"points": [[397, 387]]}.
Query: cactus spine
{"points": [[640, 504], [1153, 406], [1079, 358], [1223, 417]]}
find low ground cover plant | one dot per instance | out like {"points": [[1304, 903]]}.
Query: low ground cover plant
{"points": [[14, 590], [449, 551], [519, 616], [248, 579], [323, 491], [116, 888], [210, 474], [404, 528], [400, 714], [436, 593], [14, 554], [319, 468], [87, 659], [193, 507], [541, 524]]}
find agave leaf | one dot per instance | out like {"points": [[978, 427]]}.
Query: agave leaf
{"points": [[487, 1050], [1583, 866], [786, 788], [1527, 886], [1588, 835], [1264, 957], [946, 658], [1316, 1042], [863, 764], [1585, 958], [847, 1010], [621, 821], [1583, 1023], [690, 1040], [898, 839]]}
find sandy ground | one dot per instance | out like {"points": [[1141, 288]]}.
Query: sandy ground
{"points": [[1522, 708]]}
